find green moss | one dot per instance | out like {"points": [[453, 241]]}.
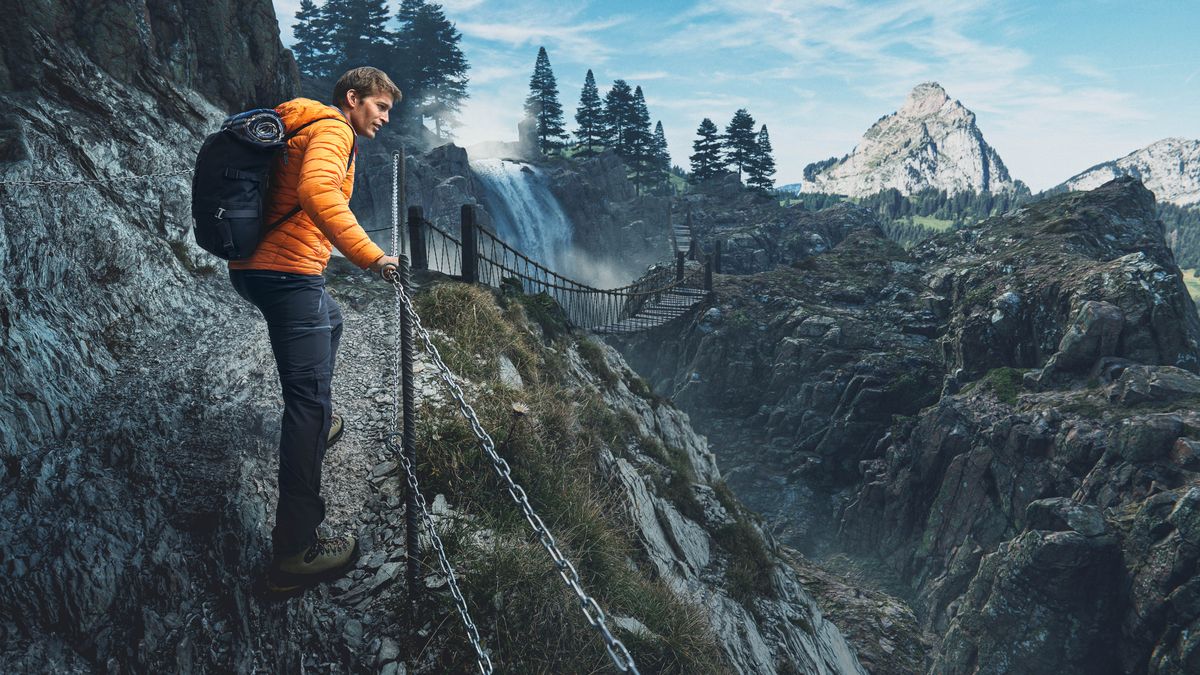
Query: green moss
{"points": [[1005, 383]]}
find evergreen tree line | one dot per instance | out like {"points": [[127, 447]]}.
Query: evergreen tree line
{"points": [[896, 211], [620, 121], [1182, 224], [421, 54], [738, 147]]}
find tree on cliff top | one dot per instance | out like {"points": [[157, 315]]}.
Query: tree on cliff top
{"points": [[740, 141], [618, 104], [590, 117], [423, 56], [429, 65], [707, 161], [542, 105], [762, 164]]}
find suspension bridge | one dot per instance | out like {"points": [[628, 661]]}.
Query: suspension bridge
{"points": [[666, 292]]}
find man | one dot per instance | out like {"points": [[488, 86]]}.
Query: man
{"points": [[283, 279]]}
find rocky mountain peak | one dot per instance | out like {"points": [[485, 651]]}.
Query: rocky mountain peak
{"points": [[930, 142], [1170, 168], [927, 98]]}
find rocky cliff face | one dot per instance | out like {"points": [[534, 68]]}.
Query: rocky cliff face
{"points": [[998, 421], [931, 142], [757, 233], [1169, 168], [138, 417]]}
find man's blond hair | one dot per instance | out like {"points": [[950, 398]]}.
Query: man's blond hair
{"points": [[367, 81]]}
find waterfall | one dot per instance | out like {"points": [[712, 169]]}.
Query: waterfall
{"points": [[525, 213]]}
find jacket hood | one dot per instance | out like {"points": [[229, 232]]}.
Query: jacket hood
{"points": [[304, 110]]}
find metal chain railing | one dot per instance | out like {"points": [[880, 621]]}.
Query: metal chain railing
{"points": [[591, 609], [481, 656], [54, 182]]}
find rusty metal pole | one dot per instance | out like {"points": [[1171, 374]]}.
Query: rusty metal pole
{"points": [[470, 245], [679, 256], [416, 238], [409, 444]]}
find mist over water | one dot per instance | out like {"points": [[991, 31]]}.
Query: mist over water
{"points": [[528, 217]]}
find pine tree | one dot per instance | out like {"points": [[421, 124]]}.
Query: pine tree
{"points": [[662, 157], [739, 140], [589, 116], [618, 105], [640, 142], [762, 165], [428, 65], [356, 31], [312, 45], [707, 161], [543, 107]]}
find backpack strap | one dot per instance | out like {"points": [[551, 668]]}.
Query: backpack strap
{"points": [[291, 134]]}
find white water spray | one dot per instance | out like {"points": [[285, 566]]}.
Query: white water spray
{"points": [[525, 213]]}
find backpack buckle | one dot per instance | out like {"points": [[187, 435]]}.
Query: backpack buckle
{"points": [[220, 212]]}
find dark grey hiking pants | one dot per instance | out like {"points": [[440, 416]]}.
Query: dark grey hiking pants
{"points": [[305, 326]]}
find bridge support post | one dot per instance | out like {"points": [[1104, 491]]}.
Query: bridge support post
{"points": [[717, 256], [708, 272], [470, 245], [679, 257], [416, 238], [408, 442]]}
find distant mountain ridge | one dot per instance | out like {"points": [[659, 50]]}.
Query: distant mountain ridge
{"points": [[1169, 168], [930, 142]]}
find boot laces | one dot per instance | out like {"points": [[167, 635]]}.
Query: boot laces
{"points": [[331, 545]]}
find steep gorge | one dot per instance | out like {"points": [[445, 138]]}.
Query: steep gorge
{"points": [[995, 425]]}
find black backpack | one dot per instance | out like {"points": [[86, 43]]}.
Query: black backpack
{"points": [[229, 187]]}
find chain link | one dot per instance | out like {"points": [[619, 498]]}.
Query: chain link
{"points": [[94, 181], [591, 609], [481, 657]]}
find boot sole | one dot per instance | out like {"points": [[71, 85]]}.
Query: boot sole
{"points": [[288, 584]]}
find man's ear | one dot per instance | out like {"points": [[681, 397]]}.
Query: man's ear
{"points": [[352, 99]]}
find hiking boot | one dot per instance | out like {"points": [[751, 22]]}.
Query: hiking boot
{"points": [[326, 559], [336, 427]]}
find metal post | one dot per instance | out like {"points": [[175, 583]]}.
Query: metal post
{"points": [[708, 272], [470, 245], [679, 256], [403, 198], [409, 443], [416, 238], [717, 256]]}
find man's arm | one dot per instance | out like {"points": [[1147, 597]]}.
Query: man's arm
{"points": [[321, 176]]}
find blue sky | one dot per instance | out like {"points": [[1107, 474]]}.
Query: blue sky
{"points": [[1056, 86]]}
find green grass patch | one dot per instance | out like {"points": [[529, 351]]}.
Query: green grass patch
{"points": [[593, 357], [939, 224], [749, 572], [1005, 383], [1192, 282]]}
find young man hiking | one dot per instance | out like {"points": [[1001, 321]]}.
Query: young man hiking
{"points": [[283, 279]]}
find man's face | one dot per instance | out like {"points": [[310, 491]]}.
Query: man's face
{"points": [[367, 114]]}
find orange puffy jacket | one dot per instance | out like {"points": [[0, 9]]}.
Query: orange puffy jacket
{"points": [[313, 173]]}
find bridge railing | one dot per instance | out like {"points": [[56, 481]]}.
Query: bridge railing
{"points": [[479, 256]]}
